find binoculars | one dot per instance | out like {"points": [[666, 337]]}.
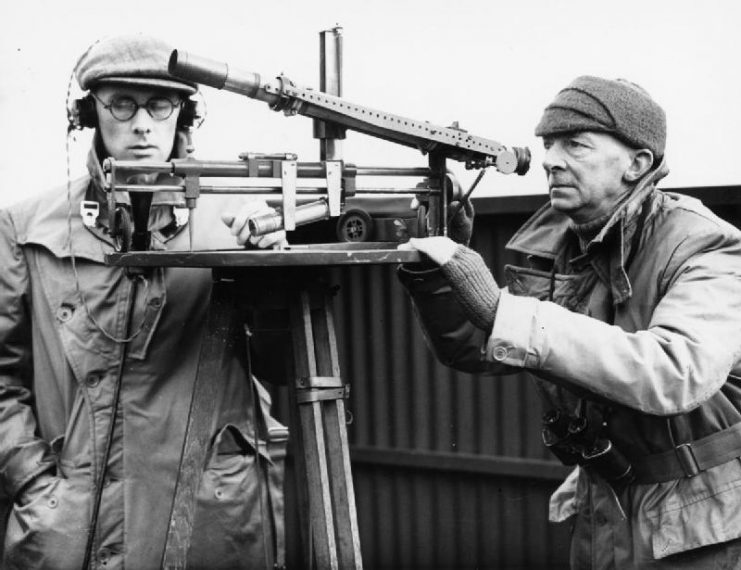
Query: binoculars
{"points": [[574, 440]]}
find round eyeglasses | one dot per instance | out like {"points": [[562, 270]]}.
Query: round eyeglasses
{"points": [[123, 107]]}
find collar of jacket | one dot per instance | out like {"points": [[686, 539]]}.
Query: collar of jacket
{"points": [[546, 233], [54, 219]]}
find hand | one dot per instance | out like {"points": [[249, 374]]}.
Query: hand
{"points": [[439, 249], [460, 226], [237, 223]]}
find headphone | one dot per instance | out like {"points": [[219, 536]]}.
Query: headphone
{"points": [[82, 113]]}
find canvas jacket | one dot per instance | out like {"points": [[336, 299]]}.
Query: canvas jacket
{"points": [[61, 326], [645, 319]]}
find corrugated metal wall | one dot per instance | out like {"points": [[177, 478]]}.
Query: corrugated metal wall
{"points": [[449, 468]]}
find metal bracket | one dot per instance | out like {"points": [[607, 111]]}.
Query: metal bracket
{"points": [[319, 382], [334, 186], [289, 174], [316, 388], [318, 394], [192, 184], [89, 211]]}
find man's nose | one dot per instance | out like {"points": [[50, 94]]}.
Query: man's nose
{"points": [[553, 157], [142, 121]]}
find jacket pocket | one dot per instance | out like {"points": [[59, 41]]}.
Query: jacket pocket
{"points": [[51, 530], [236, 523]]}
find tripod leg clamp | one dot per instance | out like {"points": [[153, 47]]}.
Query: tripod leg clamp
{"points": [[315, 388]]}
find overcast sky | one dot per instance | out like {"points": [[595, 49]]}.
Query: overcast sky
{"points": [[490, 65]]}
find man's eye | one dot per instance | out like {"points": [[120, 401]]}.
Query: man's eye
{"points": [[124, 104], [573, 143], [159, 105]]}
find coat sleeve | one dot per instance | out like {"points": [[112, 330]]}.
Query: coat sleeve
{"points": [[690, 346], [455, 341], [23, 454]]}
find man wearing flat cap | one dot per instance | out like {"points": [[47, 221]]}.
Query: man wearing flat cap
{"points": [[628, 316], [98, 363]]}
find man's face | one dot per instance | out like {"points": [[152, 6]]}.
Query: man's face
{"points": [[585, 173], [141, 137]]}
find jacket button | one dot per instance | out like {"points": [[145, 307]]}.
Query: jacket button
{"points": [[92, 380], [65, 312], [500, 353], [219, 494], [104, 556], [52, 502]]}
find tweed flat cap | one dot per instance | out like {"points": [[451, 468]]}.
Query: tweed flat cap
{"points": [[614, 106], [134, 59]]}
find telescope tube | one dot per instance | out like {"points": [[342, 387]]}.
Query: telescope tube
{"points": [[218, 74]]}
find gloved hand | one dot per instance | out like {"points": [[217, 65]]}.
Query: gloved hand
{"points": [[460, 226], [237, 223]]}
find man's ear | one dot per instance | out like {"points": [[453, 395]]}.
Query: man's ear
{"points": [[642, 162]]}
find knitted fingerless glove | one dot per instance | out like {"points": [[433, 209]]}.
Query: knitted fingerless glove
{"points": [[474, 286]]}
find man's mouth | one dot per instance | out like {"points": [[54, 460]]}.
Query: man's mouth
{"points": [[560, 190]]}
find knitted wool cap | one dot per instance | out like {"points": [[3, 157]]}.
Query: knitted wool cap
{"points": [[129, 60], [617, 107]]}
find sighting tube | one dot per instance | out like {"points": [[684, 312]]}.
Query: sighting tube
{"points": [[218, 74]]}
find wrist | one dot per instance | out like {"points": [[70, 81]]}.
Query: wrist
{"points": [[474, 286]]}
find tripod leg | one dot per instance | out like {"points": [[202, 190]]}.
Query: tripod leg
{"points": [[319, 394]]}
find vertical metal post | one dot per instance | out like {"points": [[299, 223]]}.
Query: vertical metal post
{"points": [[438, 205], [330, 135]]}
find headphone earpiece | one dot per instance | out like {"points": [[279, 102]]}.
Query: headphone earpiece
{"points": [[192, 113], [82, 113]]}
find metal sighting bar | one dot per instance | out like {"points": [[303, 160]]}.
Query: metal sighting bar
{"points": [[458, 144], [328, 183]]}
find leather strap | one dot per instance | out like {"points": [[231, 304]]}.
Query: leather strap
{"points": [[689, 459]]}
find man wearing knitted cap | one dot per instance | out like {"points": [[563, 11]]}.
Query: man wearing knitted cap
{"points": [[628, 315], [97, 363]]}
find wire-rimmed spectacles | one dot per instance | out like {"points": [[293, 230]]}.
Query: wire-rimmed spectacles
{"points": [[123, 107]]}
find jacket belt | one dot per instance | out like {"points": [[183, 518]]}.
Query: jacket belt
{"points": [[689, 459]]}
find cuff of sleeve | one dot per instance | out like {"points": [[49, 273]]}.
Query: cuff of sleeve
{"points": [[514, 340], [421, 280]]}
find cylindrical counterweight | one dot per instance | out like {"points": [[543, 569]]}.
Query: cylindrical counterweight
{"points": [[267, 223]]}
